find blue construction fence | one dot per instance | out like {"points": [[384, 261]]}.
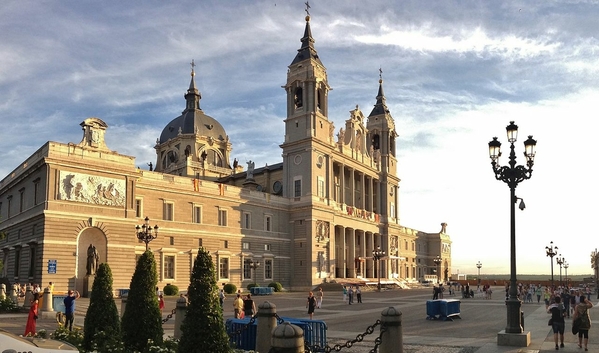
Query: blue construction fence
{"points": [[315, 332]]}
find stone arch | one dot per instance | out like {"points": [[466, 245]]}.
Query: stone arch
{"points": [[87, 236]]}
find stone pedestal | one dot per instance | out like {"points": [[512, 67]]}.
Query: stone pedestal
{"points": [[513, 339], [88, 283], [47, 308], [3, 291]]}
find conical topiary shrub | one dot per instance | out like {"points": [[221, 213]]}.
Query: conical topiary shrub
{"points": [[142, 320], [102, 314], [203, 329]]}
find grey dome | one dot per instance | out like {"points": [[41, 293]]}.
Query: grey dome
{"points": [[193, 121]]}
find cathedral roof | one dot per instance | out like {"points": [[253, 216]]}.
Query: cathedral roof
{"points": [[193, 120]]}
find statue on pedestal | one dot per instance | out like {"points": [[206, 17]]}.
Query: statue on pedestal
{"points": [[92, 260]]}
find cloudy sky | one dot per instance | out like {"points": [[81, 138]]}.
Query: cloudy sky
{"points": [[455, 74]]}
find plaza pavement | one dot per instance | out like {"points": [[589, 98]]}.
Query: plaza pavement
{"points": [[476, 331]]}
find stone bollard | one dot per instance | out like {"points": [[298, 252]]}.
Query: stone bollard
{"points": [[266, 323], [47, 303], [287, 338], [28, 297], [3, 291], [180, 313], [392, 338], [123, 304], [14, 294]]}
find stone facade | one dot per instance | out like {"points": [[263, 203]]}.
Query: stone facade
{"points": [[316, 216]]}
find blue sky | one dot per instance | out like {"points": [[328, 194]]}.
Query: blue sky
{"points": [[455, 74]]}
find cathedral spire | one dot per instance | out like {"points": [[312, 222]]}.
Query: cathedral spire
{"points": [[380, 107], [193, 96], [307, 49]]}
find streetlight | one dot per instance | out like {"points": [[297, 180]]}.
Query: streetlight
{"points": [[560, 262], [566, 265], [144, 232], [377, 254], [512, 175], [479, 265], [254, 265], [551, 252], [595, 266], [437, 260]]}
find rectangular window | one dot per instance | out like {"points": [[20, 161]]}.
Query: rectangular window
{"points": [[138, 208], [297, 188], [200, 242], [167, 214], [320, 187], [245, 246], [197, 214], [268, 223], [171, 240], [247, 270], [169, 267], [21, 199], [31, 261], [393, 210], [223, 267], [17, 261], [247, 220], [267, 247], [225, 244], [267, 269], [9, 206], [222, 218], [36, 190]]}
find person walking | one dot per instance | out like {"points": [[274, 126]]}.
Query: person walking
{"points": [[319, 296], [344, 293], [350, 294], [32, 318], [237, 306], [311, 304], [221, 298], [359, 294], [582, 312], [161, 303], [557, 321], [249, 307], [69, 308]]}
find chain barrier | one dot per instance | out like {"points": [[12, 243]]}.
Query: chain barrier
{"points": [[169, 316], [350, 343], [244, 327]]}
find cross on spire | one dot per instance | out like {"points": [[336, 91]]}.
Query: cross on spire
{"points": [[193, 65], [380, 73], [307, 8]]}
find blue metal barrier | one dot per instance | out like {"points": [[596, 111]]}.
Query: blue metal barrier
{"points": [[315, 332], [261, 290], [246, 339], [58, 303]]}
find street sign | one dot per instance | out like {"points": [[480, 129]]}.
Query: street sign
{"points": [[52, 266]]}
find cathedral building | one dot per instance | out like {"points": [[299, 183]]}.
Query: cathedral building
{"points": [[316, 216]]}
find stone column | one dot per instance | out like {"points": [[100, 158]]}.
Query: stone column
{"points": [[266, 323], [28, 296], [180, 313], [287, 338], [47, 302], [392, 338]]}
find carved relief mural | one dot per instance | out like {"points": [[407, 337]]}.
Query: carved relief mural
{"points": [[91, 189]]}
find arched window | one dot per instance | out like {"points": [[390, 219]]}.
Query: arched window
{"points": [[298, 97]]}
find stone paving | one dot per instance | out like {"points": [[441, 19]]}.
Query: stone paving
{"points": [[476, 331]]}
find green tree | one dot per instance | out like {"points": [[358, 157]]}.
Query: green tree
{"points": [[102, 314], [203, 329], [142, 320]]}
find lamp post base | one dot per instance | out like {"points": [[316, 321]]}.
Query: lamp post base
{"points": [[513, 339]]}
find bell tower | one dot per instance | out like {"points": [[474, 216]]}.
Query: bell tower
{"points": [[307, 123]]}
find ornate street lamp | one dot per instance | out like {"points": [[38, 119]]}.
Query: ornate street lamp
{"points": [[512, 175], [560, 262], [254, 265], [377, 254], [551, 252], [595, 266], [478, 266], [144, 232], [437, 260], [566, 265]]}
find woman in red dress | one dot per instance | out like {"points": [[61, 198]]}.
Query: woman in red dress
{"points": [[32, 318]]}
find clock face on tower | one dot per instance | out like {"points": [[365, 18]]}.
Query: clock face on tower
{"points": [[277, 187]]}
